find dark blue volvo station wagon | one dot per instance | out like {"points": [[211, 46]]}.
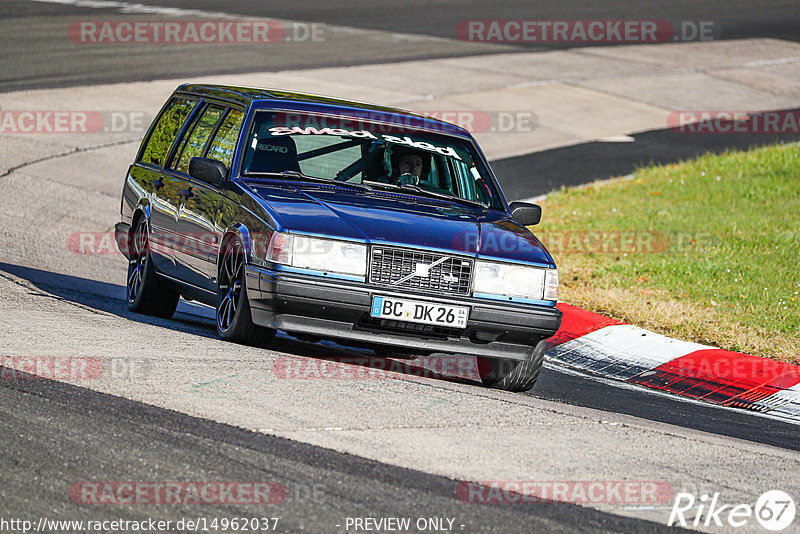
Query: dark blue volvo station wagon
{"points": [[340, 220]]}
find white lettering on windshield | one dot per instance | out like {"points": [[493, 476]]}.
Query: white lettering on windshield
{"points": [[283, 130], [443, 150]]}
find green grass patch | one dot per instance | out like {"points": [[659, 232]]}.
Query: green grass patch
{"points": [[719, 233]]}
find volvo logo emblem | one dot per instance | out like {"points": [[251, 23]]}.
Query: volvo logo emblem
{"points": [[421, 270]]}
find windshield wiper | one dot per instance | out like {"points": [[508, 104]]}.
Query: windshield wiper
{"points": [[300, 176], [432, 194]]}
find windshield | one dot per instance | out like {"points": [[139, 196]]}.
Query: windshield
{"points": [[360, 152]]}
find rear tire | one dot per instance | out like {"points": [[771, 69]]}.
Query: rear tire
{"points": [[234, 320], [513, 375], [145, 293]]}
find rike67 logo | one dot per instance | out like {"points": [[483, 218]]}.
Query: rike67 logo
{"points": [[774, 511]]}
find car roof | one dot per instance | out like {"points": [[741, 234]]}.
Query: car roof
{"points": [[278, 99]]}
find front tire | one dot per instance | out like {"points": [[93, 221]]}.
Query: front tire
{"points": [[145, 294], [234, 320], [513, 375]]}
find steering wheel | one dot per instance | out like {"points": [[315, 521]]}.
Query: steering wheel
{"points": [[408, 179]]}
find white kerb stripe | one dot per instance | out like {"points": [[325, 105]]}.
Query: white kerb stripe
{"points": [[621, 351], [785, 403]]}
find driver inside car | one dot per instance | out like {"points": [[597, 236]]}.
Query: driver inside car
{"points": [[406, 166], [409, 166]]}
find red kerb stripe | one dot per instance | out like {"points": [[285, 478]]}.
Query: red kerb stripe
{"points": [[577, 322], [722, 377]]}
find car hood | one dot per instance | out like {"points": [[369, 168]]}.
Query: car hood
{"points": [[396, 218]]}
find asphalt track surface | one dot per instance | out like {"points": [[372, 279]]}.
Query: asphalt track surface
{"points": [[64, 433], [738, 19], [554, 384], [56, 433], [38, 53]]}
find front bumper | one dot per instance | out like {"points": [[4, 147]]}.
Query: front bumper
{"points": [[339, 309]]}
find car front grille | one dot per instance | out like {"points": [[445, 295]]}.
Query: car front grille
{"points": [[398, 267]]}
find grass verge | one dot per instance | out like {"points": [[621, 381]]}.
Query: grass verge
{"points": [[707, 250]]}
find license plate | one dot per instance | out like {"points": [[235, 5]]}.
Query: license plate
{"points": [[415, 311]]}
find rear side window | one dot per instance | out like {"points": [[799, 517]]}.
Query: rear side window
{"points": [[195, 143], [224, 143], [165, 131]]}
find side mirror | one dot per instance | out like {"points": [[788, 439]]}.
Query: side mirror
{"points": [[208, 170], [526, 214]]}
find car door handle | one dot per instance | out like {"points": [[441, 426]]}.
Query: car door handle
{"points": [[186, 193], [157, 183]]}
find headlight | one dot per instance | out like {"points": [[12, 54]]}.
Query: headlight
{"points": [[512, 280], [551, 285], [327, 255]]}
